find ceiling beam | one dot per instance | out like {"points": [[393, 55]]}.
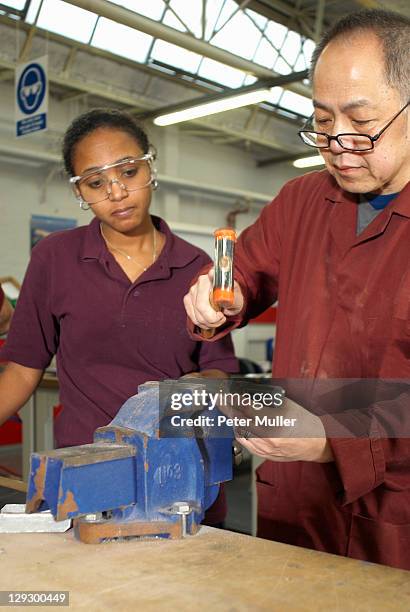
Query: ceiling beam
{"points": [[6, 75], [28, 43], [319, 19], [181, 39]]}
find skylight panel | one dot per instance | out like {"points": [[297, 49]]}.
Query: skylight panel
{"points": [[291, 47], [308, 48], [276, 33], [239, 36], [121, 40], [291, 101], [301, 63], [67, 20], [296, 103], [228, 9], [154, 9], [212, 12], [220, 73], [175, 56], [173, 22], [32, 11], [250, 79], [16, 4], [191, 14], [265, 54], [275, 95], [281, 67], [260, 20]]}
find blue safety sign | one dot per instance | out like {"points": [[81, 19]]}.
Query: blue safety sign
{"points": [[31, 97]]}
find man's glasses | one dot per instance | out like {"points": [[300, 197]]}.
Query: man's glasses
{"points": [[349, 141], [130, 175]]}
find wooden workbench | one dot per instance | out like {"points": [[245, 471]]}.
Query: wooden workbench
{"points": [[216, 570]]}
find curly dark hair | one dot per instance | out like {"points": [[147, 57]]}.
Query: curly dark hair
{"points": [[85, 124], [393, 31]]}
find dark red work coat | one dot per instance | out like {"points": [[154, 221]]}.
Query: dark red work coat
{"points": [[344, 312]]}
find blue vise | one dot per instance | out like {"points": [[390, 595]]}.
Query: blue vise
{"points": [[134, 481]]}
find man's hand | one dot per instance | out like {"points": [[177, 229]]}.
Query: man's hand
{"points": [[290, 449], [198, 305], [305, 440]]}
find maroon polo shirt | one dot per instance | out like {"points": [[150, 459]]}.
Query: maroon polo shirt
{"points": [[109, 335], [1, 297]]}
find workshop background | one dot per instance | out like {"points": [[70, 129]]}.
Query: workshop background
{"points": [[147, 56]]}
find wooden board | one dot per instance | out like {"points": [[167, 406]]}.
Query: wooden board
{"points": [[216, 570]]}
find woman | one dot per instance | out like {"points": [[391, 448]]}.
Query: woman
{"points": [[106, 298]]}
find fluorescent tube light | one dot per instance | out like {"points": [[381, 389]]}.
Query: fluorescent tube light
{"points": [[308, 162], [210, 108]]}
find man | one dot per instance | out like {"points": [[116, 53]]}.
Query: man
{"points": [[334, 249], [6, 312]]}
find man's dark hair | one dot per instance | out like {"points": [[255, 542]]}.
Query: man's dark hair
{"points": [[393, 31], [110, 118]]}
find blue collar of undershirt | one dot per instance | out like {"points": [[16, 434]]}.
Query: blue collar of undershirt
{"points": [[377, 201]]}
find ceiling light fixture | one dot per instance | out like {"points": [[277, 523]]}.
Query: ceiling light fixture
{"points": [[211, 108], [308, 162]]}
